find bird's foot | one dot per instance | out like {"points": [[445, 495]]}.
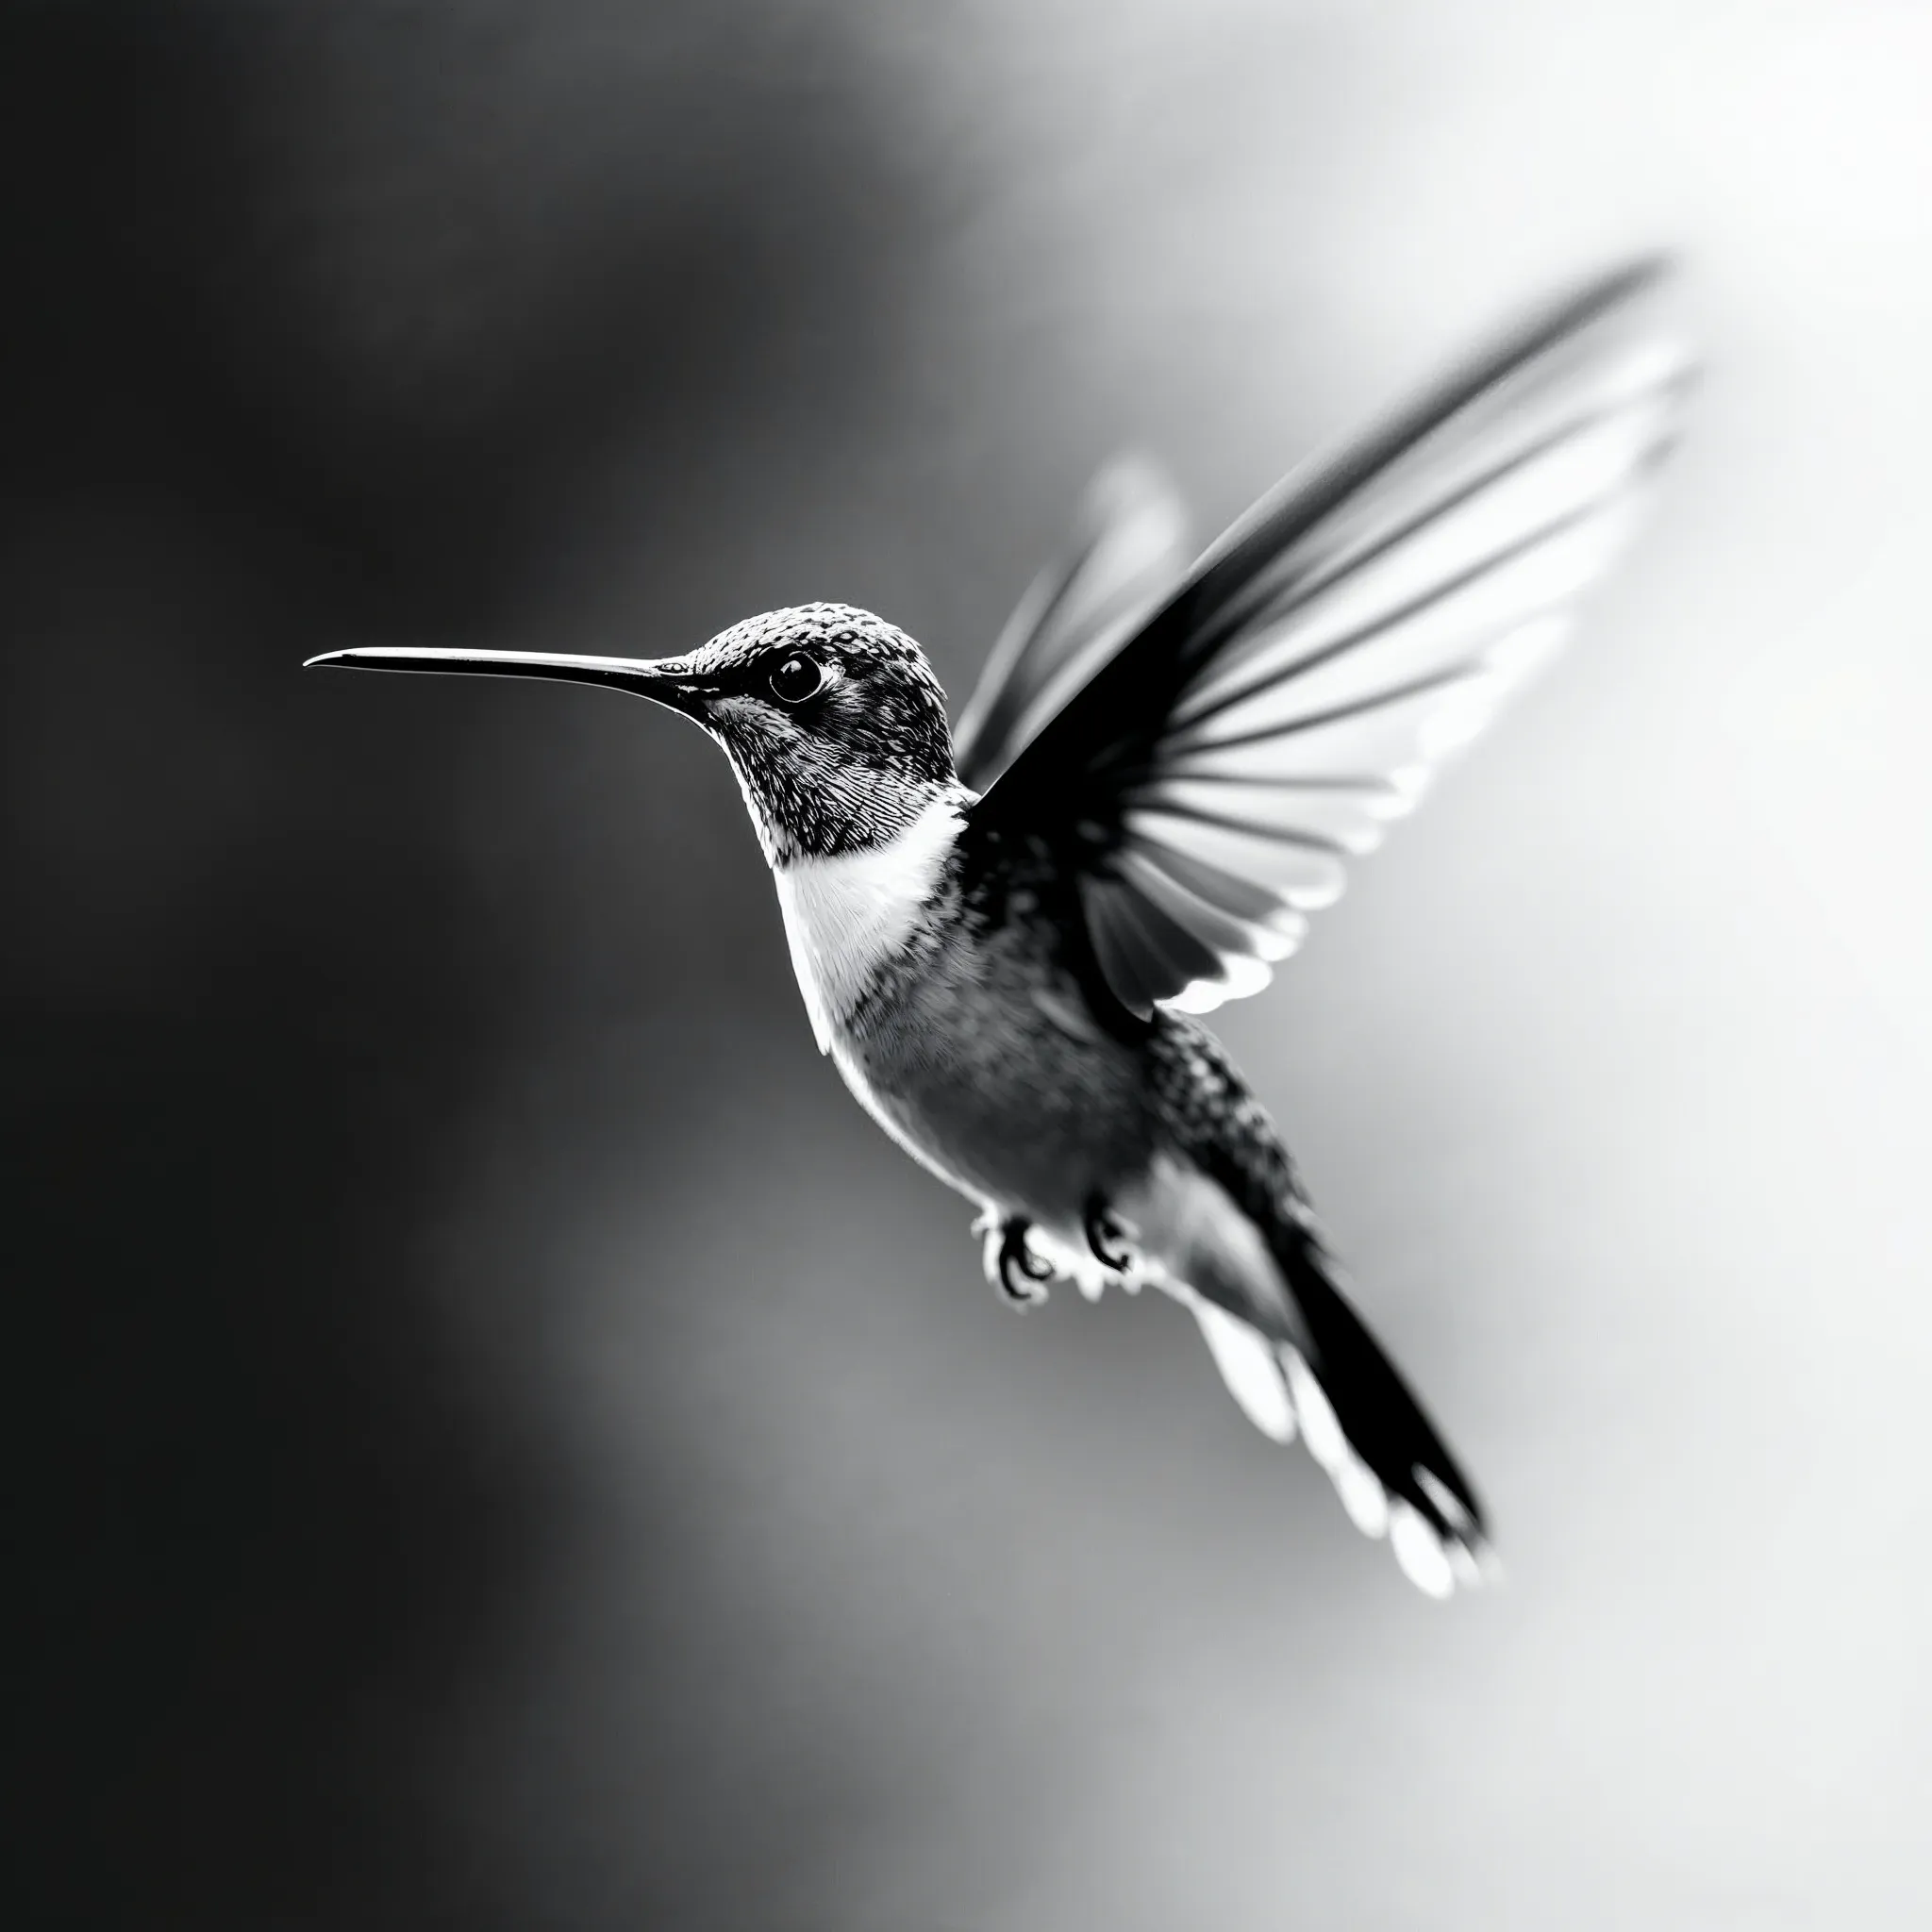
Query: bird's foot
{"points": [[1012, 1266], [1111, 1241]]}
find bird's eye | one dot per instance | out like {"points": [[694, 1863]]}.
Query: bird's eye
{"points": [[796, 677]]}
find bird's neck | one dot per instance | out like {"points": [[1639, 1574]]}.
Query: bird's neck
{"points": [[808, 800], [849, 914]]}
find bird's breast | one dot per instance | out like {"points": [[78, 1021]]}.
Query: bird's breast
{"points": [[847, 917], [958, 1030], [977, 1053]]}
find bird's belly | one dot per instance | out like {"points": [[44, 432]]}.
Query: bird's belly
{"points": [[968, 1073]]}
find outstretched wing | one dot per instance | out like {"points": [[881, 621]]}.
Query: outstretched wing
{"points": [[1208, 780], [1129, 551]]}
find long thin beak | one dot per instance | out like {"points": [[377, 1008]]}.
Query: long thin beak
{"points": [[668, 680]]}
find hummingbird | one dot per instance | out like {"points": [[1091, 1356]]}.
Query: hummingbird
{"points": [[1006, 934]]}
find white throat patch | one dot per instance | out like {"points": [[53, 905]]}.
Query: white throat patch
{"points": [[846, 916]]}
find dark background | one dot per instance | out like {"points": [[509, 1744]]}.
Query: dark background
{"points": [[498, 1437]]}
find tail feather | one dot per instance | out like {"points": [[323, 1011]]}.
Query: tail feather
{"points": [[1334, 1386], [1252, 1369], [1295, 1355], [1344, 1396], [1366, 1428]]}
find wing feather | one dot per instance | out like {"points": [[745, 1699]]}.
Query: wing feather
{"points": [[1275, 927], [1140, 945], [1129, 551], [1209, 771]]}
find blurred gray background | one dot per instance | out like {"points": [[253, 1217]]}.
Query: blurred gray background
{"points": [[500, 1439]]}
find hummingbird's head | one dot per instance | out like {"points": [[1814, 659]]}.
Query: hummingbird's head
{"points": [[833, 721], [832, 718]]}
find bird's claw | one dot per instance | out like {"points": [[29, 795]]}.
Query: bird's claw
{"points": [[1012, 1266], [1110, 1237]]}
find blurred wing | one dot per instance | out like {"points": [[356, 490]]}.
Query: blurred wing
{"points": [[1128, 553], [1208, 781]]}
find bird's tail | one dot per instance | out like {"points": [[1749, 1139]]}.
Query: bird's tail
{"points": [[1292, 1352], [1334, 1386]]}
